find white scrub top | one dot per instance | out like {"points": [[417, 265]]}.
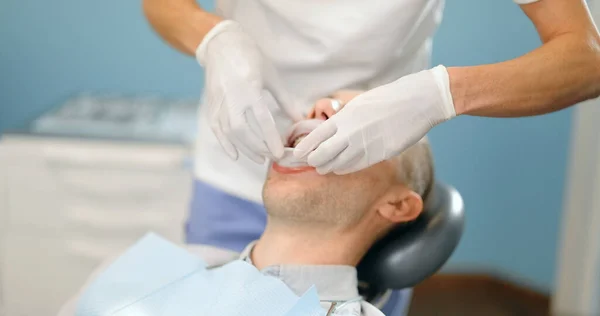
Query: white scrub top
{"points": [[319, 47]]}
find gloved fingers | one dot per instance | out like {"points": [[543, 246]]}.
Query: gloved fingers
{"points": [[268, 130], [320, 134], [327, 152], [219, 123], [344, 160], [227, 146], [252, 155], [354, 165], [245, 138], [260, 146], [219, 127]]}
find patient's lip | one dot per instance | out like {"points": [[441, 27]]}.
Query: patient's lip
{"points": [[286, 170], [288, 164]]}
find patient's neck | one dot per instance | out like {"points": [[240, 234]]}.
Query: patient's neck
{"points": [[307, 244]]}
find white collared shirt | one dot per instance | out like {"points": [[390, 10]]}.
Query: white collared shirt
{"points": [[333, 283]]}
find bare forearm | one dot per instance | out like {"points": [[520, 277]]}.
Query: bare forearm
{"points": [[558, 75], [182, 23], [562, 72]]}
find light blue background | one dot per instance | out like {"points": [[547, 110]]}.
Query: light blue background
{"points": [[511, 172]]}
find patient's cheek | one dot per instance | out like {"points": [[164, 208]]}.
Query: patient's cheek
{"points": [[282, 186]]}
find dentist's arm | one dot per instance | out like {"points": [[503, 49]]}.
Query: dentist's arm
{"points": [[383, 122], [182, 23], [565, 70], [237, 96]]}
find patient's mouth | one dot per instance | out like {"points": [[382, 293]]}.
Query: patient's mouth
{"points": [[290, 170], [300, 130], [294, 142], [288, 163]]}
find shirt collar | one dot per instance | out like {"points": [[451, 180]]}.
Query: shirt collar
{"points": [[333, 282]]}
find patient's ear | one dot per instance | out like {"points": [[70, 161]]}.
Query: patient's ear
{"points": [[401, 205]]}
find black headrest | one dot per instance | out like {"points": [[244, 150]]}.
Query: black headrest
{"points": [[413, 252]]}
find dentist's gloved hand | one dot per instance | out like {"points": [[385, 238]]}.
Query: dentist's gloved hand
{"points": [[236, 95], [379, 123]]}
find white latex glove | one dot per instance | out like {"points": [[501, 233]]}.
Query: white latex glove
{"points": [[236, 97], [380, 123]]}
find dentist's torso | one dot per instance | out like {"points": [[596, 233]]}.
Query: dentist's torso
{"points": [[318, 47]]}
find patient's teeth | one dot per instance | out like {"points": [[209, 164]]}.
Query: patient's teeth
{"points": [[302, 129], [298, 140]]}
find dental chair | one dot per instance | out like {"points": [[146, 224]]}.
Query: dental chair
{"points": [[413, 252]]}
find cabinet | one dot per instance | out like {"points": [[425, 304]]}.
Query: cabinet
{"points": [[66, 204]]}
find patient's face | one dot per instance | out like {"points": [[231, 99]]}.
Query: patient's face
{"points": [[304, 195]]}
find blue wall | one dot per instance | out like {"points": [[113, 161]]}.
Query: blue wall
{"points": [[511, 172], [53, 49]]}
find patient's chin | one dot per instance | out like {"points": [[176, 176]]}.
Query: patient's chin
{"points": [[286, 186], [325, 202], [298, 203], [279, 195]]}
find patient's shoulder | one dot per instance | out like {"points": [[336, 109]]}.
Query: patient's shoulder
{"points": [[209, 254]]}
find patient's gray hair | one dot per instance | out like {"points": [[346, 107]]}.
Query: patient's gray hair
{"points": [[414, 168]]}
